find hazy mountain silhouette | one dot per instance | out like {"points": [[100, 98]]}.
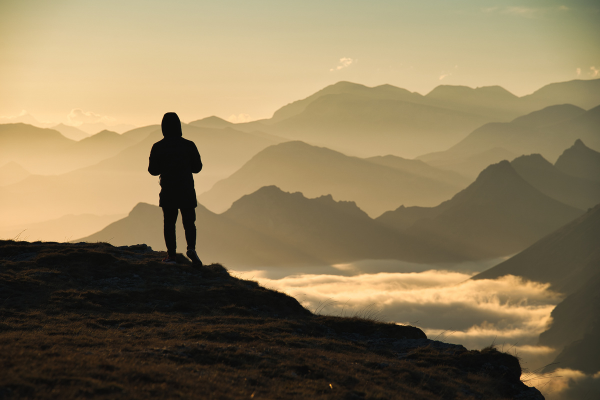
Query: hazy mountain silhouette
{"points": [[582, 93], [24, 118], [493, 101], [498, 102], [575, 323], [364, 125], [581, 354], [421, 169], [36, 149], [548, 116], [580, 161], [497, 215], [331, 231], [566, 258], [60, 229], [46, 151], [574, 191], [12, 172], [548, 132], [116, 184], [316, 171], [388, 92], [344, 115], [569, 260], [212, 122], [70, 132], [272, 227], [468, 165], [91, 128], [218, 238]]}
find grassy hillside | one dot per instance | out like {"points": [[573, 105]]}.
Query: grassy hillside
{"points": [[97, 321]]}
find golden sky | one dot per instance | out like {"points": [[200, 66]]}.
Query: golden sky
{"points": [[131, 61]]}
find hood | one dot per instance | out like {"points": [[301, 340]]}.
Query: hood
{"points": [[171, 125]]}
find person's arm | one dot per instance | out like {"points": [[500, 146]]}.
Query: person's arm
{"points": [[196, 161], [154, 166]]}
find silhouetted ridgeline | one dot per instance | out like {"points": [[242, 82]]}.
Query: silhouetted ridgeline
{"points": [[115, 182], [376, 185], [339, 115], [498, 215], [94, 320], [572, 190], [547, 132], [568, 259]]}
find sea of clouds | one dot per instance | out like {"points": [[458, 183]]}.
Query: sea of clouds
{"points": [[444, 302]]}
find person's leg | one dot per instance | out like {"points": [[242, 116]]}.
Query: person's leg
{"points": [[170, 218], [188, 217]]}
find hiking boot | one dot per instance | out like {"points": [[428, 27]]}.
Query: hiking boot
{"points": [[194, 257], [170, 260]]}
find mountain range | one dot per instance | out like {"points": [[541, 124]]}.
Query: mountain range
{"points": [[572, 190], [569, 260], [376, 184], [273, 228], [70, 132], [497, 215], [368, 121], [492, 101], [116, 184], [580, 161], [547, 132], [46, 151], [565, 259]]}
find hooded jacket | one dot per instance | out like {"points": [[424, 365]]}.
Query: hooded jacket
{"points": [[175, 159]]}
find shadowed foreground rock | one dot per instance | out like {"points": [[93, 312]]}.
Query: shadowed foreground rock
{"points": [[98, 321]]}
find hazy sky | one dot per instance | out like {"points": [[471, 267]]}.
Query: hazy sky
{"points": [[131, 61]]}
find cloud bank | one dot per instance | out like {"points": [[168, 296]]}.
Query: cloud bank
{"points": [[564, 384], [509, 312]]}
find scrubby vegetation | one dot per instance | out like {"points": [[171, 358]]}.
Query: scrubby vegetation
{"points": [[94, 320]]}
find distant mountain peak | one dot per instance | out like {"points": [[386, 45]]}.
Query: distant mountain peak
{"points": [[579, 160], [580, 146], [142, 209], [213, 118], [549, 115], [503, 167], [211, 122], [501, 180], [531, 159], [347, 84], [106, 132], [270, 197], [459, 90]]}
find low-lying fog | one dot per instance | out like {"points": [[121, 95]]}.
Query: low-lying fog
{"points": [[440, 299]]}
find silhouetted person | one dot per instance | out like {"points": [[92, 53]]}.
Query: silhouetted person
{"points": [[175, 159]]}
